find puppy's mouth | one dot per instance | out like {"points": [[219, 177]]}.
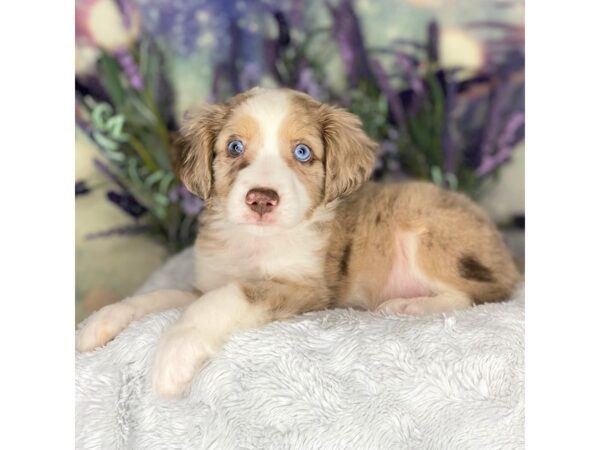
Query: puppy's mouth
{"points": [[268, 219]]}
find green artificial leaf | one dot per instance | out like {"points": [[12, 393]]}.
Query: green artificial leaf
{"points": [[107, 144], [110, 77], [114, 127], [153, 178], [146, 158], [436, 175], [165, 183], [154, 147], [132, 171], [161, 200], [418, 133], [160, 212], [452, 181]]}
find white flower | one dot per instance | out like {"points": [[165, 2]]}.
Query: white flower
{"points": [[85, 58], [102, 22], [459, 49]]}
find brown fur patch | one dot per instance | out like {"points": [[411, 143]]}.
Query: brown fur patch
{"points": [[349, 152], [345, 259], [286, 298], [226, 167], [192, 154], [471, 269]]}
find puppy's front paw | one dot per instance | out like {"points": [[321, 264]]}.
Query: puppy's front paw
{"points": [[181, 352], [411, 306], [104, 325]]}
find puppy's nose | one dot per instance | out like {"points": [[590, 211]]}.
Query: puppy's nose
{"points": [[262, 200]]}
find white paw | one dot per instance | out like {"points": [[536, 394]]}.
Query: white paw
{"points": [[411, 306], [104, 325], [181, 352]]}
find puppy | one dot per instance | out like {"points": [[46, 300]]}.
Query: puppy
{"points": [[290, 225]]}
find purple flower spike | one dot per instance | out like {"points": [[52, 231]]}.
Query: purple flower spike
{"points": [[510, 133], [433, 42], [250, 75], [127, 230], [296, 13], [393, 100], [81, 188], [190, 204], [173, 194], [408, 66], [108, 173], [127, 203], [349, 37], [126, 11], [130, 68], [448, 147], [308, 84], [506, 146]]}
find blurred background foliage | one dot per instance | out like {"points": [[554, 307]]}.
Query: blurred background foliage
{"points": [[439, 83]]}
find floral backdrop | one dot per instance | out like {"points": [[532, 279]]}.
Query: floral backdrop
{"points": [[439, 83]]}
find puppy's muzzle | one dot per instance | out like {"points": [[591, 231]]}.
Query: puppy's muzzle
{"points": [[262, 200]]}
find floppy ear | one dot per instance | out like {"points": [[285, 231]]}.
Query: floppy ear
{"points": [[192, 155], [349, 152]]}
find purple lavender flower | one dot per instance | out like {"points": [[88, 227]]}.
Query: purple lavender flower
{"points": [[127, 203], [127, 230], [130, 68], [392, 97], [307, 83], [175, 21], [250, 76], [433, 41], [190, 204], [81, 188], [296, 13], [127, 11], [409, 69], [349, 37], [102, 167], [505, 145], [448, 146], [173, 194]]}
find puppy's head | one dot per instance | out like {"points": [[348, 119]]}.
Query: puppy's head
{"points": [[269, 157]]}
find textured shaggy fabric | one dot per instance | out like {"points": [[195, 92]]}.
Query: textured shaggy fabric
{"points": [[340, 379]]}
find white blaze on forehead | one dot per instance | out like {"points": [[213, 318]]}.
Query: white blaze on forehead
{"points": [[269, 107]]}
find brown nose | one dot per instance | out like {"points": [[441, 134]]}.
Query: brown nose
{"points": [[262, 200]]}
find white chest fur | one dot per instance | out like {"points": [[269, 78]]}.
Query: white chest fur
{"points": [[243, 253]]}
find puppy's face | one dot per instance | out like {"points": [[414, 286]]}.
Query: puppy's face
{"points": [[269, 157]]}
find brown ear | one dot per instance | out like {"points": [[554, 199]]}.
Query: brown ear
{"points": [[349, 152], [193, 152]]}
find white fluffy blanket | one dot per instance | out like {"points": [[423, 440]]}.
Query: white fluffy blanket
{"points": [[340, 379]]}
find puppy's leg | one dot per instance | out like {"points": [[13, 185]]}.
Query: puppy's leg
{"points": [[207, 324], [109, 321], [447, 301], [461, 249]]}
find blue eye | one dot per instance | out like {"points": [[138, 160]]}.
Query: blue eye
{"points": [[235, 148], [302, 153]]}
